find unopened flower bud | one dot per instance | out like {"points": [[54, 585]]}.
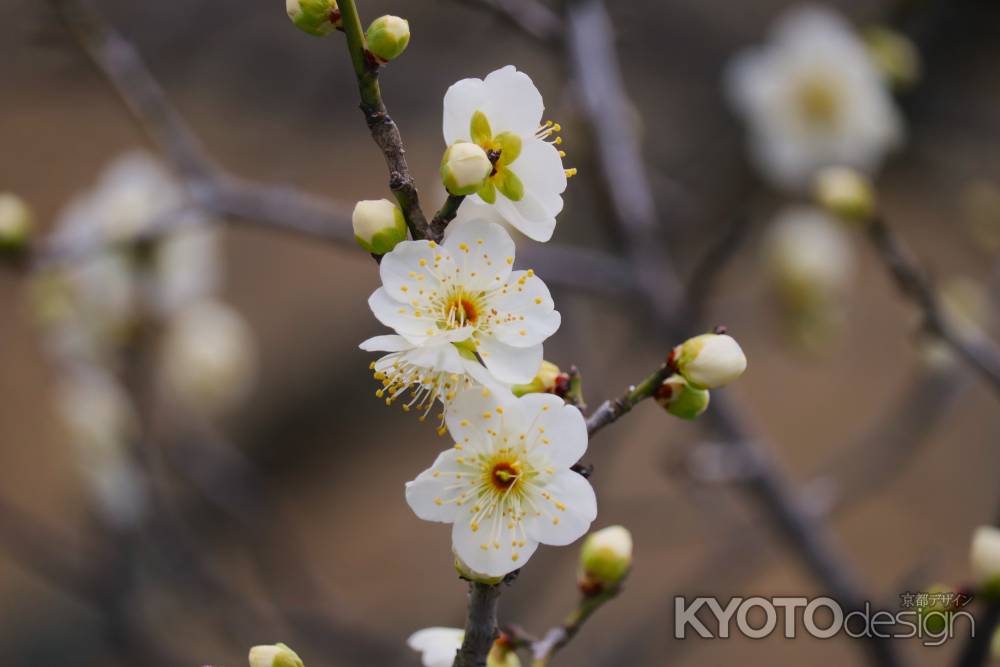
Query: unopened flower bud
{"points": [[985, 559], [316, 17], [846, 193], [464, 168], [606, 557], [679, 398], [274, 655], [378, 225], [16, 222], [469, 574], [895, 56], [935, 614], [709, 360], [388, 37], [545, 381], [209, 358]]}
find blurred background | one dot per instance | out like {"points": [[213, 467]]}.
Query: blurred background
{"points": [[282, 518]]}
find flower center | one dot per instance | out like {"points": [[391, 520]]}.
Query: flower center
{"points": [[460, 309], [818, 101], [505, 474]]}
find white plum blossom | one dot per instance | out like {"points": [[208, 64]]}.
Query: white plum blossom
{"points": [[503, 115], [813, 98], [453, 305], [507, 484]]}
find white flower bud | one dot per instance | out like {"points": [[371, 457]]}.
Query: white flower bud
{"points": [[679, 398], [316, 17], [464, 168], [209, 358], [606, 557], [378, 225], [388, 36], [846, 193], [985, 559], [709, 361], [274, 655], [16, 222]]}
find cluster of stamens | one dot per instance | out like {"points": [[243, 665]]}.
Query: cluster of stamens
{"points": [[546, 130]]}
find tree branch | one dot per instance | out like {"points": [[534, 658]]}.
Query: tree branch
{"points": [[480, 625], [979, 352], [383, 128], [543, 650], [612, 410]]}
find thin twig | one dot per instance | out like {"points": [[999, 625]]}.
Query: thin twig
{"points": [[383, 128], [544, 649], [978, 351], [612, 410]]}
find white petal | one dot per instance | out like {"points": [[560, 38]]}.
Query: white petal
{"points": [[400, 316], [557, 430], [432, 494], [410, 267], [438, 645], [461, 101], [473, 412], [516, 365], [560, 527], [531, 301], [494, 549], [484, 252], [528, 215], [515, 103], [385, 344], [540, 168]]}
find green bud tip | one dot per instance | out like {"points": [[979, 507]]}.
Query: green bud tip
{"points": [[464, 168], [679, 398], [315, 17], [388, 36], [708, 361], [846, 193], [16, 222], [378, 225], [274, 655], [606, 557]]}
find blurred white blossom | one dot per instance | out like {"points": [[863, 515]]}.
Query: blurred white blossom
{"points": [[813, 98], [209, 358]]}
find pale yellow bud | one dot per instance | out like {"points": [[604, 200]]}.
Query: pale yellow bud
{"points": [[316, 17], [984, 557], [464, 168], [846, 193], [709, 361], [388, 36], [894, 54], [378, 225], [274, 655], [546, 380], [606, 556], [16, 222]]}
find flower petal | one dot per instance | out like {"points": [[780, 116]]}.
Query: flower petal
{"points": [[484, 253], [554, 428], [527, 313], [410, 268], [516, 365], [437, 645], [515, 103], [530, 216], [568, 515], [461, 101], [433, 494], [493, 549], [474, 412], [386, 344]]}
